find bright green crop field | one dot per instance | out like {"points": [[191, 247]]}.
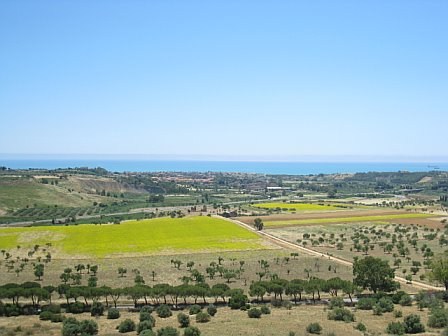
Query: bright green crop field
{"points": [[297, 206], [152, 236], [344, 219]]}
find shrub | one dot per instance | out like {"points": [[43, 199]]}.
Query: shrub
{"points": [[145, 316], [397, 297], [398, 313], [238, 300], [146, 309], [413, 325], [211, 310], [314, 328], [183, 319], [341, 314], [276, 303], [377, 310], [194, 309], [336, 302], [192, 331], [361, 327], [406, 300], [145, 325], [395, 328], [287, 305], [366, 303], [265, 310], [438, 318], [254, 313], [76, 308], [426, 300], [386, 305], [46, 315], [57, 318], [113, 314], [202, 317], [167, 331], [163, 311], [97, 309], [70, 327], [126, 326], [56, 309], [88, 327], [443, 295], [147, 332]]}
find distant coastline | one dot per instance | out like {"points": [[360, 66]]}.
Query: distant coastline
{"points": [[261, 167]]}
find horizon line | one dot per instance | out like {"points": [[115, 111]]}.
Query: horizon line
{"points": [[235, 158]]}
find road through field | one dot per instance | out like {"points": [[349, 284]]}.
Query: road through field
{"points": [[284, 243]]}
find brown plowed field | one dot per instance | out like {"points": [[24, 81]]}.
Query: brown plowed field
{"points": [[431, 223], [335, 214]]}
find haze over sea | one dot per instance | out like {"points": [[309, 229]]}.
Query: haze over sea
{"points": [[262, 167]]}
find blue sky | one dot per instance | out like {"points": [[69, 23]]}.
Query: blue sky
{"points": [[244, 78]]}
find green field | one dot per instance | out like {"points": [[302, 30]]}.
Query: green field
{"points": [[344, 219], [297, 206], [162, 235]]}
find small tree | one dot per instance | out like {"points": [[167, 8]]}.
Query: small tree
{"points": [[183, 319], [211, 310], [258, 224], [122, 271], [439, 269], [39, 271]]}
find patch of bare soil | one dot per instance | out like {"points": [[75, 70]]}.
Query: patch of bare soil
{"points": [[433, 223]]}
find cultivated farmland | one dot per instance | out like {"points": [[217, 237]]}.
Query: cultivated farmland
{"points": [[356, 219], [306, 207], [162, 235]]}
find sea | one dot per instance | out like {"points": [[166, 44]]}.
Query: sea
{"points": [[261, 167]]}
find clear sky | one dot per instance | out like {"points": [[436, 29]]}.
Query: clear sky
{"points": [[224, 77]]}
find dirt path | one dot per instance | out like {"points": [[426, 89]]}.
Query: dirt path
{"points": [[286, 244]]}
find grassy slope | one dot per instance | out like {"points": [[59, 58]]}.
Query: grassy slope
{"points": [[17, 193], [345, 219], [146, 236]]}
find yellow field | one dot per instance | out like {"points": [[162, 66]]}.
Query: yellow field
{"points": [[136, 237]]}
